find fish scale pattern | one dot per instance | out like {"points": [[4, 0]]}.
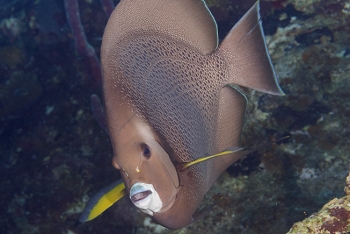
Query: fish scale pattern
{"points": [[173, 89]]}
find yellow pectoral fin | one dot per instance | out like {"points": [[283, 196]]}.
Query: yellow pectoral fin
{"points": [[102, 200], [186, 165]]}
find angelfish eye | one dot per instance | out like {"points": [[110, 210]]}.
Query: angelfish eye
{"points": [[146, 151]]}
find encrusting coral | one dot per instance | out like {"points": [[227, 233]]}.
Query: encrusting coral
{"points": [[333, 218]]}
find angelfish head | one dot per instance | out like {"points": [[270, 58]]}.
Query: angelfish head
{"points": [[150, 177]]}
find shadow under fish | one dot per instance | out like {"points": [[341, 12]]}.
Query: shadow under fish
{"points": [[169, 103]]}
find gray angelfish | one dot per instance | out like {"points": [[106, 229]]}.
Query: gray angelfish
{"points": [[169, 104]]}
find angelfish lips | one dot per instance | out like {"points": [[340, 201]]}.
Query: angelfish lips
{"points": [[145, 197], [139, 196]]}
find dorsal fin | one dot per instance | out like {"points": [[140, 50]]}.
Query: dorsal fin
{"points": [[189, 21], [244, 50]]}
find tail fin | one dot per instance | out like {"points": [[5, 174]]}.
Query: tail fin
{"points": [[244, 50]]}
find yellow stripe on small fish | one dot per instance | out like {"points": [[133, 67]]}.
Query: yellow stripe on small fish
{"points": [[102, 200]]}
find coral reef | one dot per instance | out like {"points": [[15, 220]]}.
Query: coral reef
{"points": [[18, 93], [54, 155], [333, 218]]}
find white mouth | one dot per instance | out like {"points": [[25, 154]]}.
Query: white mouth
{"points": [[139, 196], [145, 197]]}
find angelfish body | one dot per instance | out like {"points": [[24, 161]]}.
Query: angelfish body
{"points": [[167, 99]]}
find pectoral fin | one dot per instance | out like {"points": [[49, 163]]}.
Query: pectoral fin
{"points": [[244, 151], [102, 200], [184, 165]]}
